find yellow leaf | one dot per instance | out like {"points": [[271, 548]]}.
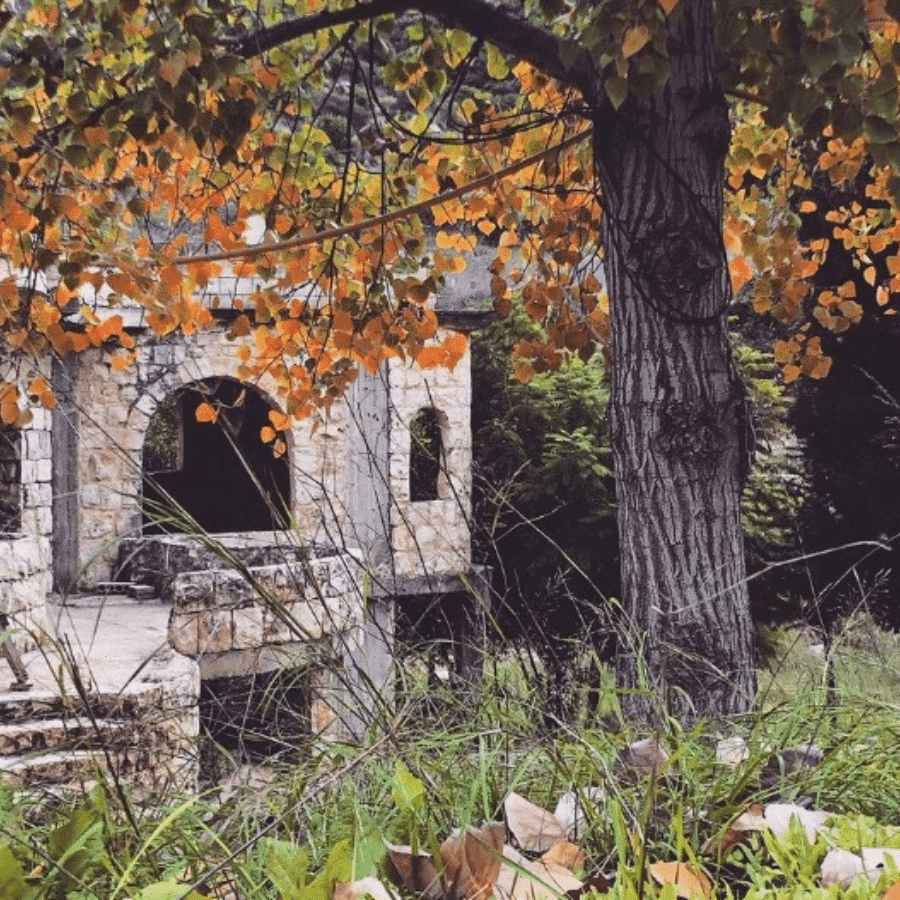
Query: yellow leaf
{"points": [[851, 310], [497, 67], [784, 351], [687, 883], [790, 373], [267, 434], [808, 206], [430, 357], [882, 296], [635, 38], [869, 275]]}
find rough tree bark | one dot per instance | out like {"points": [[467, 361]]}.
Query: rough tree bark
{"points": [[678, 414]]}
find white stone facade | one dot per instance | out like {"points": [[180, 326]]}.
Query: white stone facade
{"points": [[113, 410]]}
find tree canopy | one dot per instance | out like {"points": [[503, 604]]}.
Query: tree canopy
{"points": [[137, 145]]}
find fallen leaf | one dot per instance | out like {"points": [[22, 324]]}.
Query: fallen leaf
{"points": [[777, 817], [570, 809], [644, 757], [364, 887], [840, 867], [874, 859], [415, 873], [523, 879], [535, 829], [736, 833], [688, 883], [471, 862], [732, 750], [565, 854]]}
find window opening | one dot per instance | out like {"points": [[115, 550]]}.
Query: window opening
{"points": [[10, 479], [425, 455], [220, 473]]}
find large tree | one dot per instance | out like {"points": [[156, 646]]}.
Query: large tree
{"points": [[379, 141]]}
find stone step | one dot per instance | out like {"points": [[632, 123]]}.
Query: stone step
{"points": [[157, 559], [38, 704], [32, 770], [39, 735]]}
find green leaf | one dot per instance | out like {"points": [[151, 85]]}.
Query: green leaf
{"points": [[368, 848], [407, 791], [286, 865], [616, 89], [497, 66], [879, 131], [76, 846], [167, 890], [12, 878]]}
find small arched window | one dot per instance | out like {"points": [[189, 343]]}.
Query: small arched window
{"points": [[426, 453]]}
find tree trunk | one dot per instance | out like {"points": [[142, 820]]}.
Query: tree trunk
{"points": [[678, 416]]}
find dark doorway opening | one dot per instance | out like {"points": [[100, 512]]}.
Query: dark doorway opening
{"points": [[219, 474]]}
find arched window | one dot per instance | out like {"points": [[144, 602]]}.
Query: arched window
{"points": [[220, 473], [426, 455]]}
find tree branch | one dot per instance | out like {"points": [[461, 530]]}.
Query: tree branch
{"points": [[492, 22]]}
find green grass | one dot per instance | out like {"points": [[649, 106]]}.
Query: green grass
{"points": [[468, 756]]}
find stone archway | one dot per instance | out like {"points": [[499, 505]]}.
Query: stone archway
{"points": [[219, 474]]}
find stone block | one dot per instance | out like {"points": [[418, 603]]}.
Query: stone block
{"points": [[193, 590], [184, 631], [214, 631], [247, 626], [278, 629], [37, 444]]}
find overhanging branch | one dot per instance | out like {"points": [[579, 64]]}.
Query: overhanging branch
{"points": [[378, 221], [492, 22]]}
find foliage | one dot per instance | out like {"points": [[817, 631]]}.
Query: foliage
{"points": [[774, 494], [365, 148], [135, 144], [545, 498], [324, 818], [849, 425]]}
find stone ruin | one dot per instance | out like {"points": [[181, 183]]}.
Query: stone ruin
{"points": [[313, 549]]}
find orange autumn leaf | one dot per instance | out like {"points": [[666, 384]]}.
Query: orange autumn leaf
{"points": [[687, 882], [206, 412], [740, 272], [430, 357], [893, 892]]}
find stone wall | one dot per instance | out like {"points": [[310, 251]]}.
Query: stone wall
{"points": [[37, 476], [432, 537], [25, 554], [113, 410], [24, 585], [219, 610]]}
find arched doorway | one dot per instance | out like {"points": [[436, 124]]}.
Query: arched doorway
{"points": [[219, 474]]}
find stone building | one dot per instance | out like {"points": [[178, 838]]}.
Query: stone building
{"points": [[383, 483]]}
